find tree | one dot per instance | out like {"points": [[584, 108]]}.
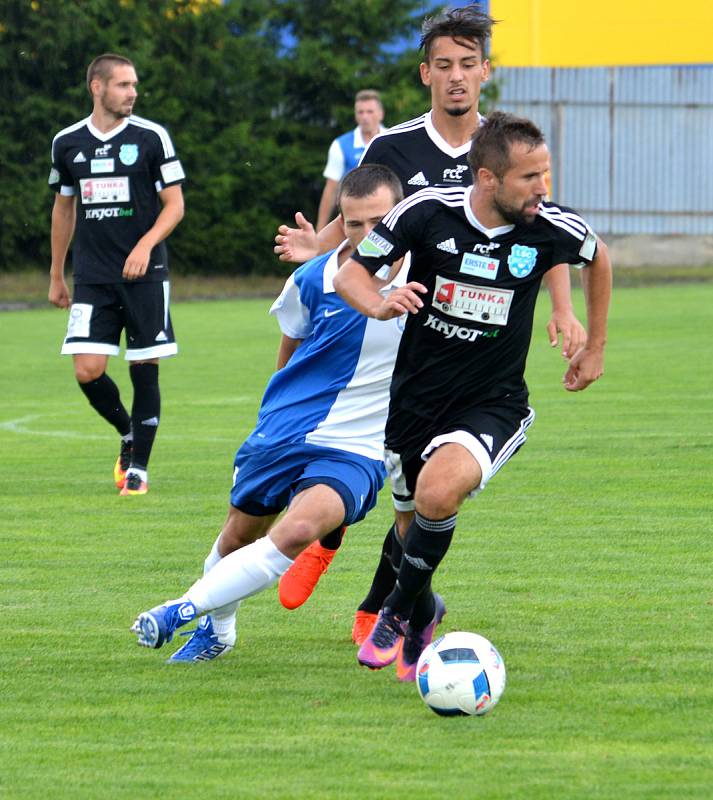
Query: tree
{"points": [[252, 92]]}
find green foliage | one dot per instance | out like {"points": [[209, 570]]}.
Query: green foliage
{"points": [[252, 92]]}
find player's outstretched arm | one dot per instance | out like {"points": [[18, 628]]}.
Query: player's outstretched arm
{"points": [[63, 221], [299, 244], [587, 365], [563, 320], [360, 289]]}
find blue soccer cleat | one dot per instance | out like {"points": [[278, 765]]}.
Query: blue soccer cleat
{"points": [[156, 626], [204, 644]]}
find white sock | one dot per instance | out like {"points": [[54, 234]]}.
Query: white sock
{"points": [[213, 557], [224, 619], [142, 473], [238, 575]]}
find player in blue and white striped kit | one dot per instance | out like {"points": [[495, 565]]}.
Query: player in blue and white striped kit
{"points": [[317, 448]]}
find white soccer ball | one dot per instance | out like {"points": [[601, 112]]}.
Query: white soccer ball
{"points": [[460, 674]]}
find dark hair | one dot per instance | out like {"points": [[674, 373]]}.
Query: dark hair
{"points": [[465, 25], [366, 179], [102, 67], [494, 138]]}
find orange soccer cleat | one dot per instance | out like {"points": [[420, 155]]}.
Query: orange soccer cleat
{"points": [[363, 623], [298, 583], [134, 485]]}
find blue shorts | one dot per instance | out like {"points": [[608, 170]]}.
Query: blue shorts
{"points": [[266, 479]]}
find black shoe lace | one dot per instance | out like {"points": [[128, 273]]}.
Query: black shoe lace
{"points": [[389, 627]]}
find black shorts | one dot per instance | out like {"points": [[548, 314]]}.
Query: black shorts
{"points": [[100, 311], [492, 434]]}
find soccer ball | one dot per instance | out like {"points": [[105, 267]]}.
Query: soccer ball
{"points": [[460, 674]]}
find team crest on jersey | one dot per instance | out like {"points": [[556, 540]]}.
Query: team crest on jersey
{"points": [[521, 260], [128, 153], [374, 246]]}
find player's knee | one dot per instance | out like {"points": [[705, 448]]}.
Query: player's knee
{"points": [[87, 372], [295, 534], [436, 499]]}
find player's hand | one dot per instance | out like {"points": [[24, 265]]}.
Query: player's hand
{"points": [[574, 336], [137, 262], [585, 367], [59, 293], [404, 300], [297, 244]]}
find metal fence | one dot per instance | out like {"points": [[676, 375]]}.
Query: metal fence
{"points": [[632, 147]]}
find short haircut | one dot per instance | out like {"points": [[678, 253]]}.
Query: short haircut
{"points": [[466, 25], [102, 67], [493, 140], [367, 94], [366, 179]]}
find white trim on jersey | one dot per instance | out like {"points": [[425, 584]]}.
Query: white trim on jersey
{"points": [[491, 233], [452, 196], [69, 129], [426, 121], [104, 137], [168, 148], [572, 223], [441, 143]]}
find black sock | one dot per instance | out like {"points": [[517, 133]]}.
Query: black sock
{"points": [[145, 411], [103, 395], [385, 575], [423, 610], [333, 540], [427, 542]]}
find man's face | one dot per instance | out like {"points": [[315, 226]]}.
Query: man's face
{"points": [[455, 72], [361, 214], [368, 115], [118, 94], [523, 187]]}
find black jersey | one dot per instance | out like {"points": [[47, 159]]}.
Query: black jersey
{"points": [[468, 345], [420, 156], [116, 177]]}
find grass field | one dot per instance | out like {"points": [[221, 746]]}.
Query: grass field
{"points": [[587, 561]]}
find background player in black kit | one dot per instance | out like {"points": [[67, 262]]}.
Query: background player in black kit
{"points": [[118, 184], [459, 403], [429, 151]]}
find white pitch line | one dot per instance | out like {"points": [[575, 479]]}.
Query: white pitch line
{"points": [[19, 426]]}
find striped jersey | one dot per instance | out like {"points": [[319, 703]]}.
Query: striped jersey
{"points": [[334, 390], [116, 177], [420, 156], [468, 344]]}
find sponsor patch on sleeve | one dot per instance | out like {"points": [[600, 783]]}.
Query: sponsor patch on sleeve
{"points": [[374, 246], [172, 172], [589, 246], [54, 176]]}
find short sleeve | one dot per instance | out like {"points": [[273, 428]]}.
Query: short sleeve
{"points": [[396, 234], [60, 178], [335, 162], [167, 169], [291, 313], [575, 241]]}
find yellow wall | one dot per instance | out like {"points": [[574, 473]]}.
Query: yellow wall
{"points": [[578, 33]]}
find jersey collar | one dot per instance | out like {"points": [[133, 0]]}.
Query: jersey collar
{"points": [[440, 142], [491, 233], [359, 138], [104, 137], [331, 267]]}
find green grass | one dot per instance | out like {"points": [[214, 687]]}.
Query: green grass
{"points": [[587, 561]]}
